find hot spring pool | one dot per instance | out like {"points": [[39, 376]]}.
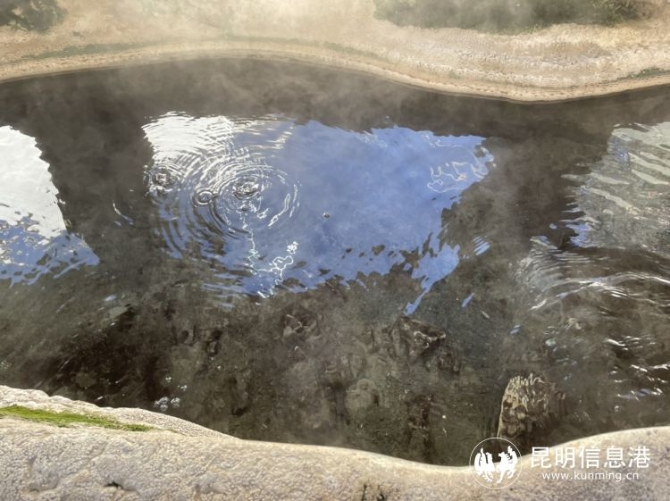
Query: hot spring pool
{"points": [[287, 253]]}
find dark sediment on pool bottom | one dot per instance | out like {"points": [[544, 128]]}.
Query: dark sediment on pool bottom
{"points": [[339, 363], [509, 15]]}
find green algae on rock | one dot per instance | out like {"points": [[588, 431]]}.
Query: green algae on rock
{"points": [[66, 419]]}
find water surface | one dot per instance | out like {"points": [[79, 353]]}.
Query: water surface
{"points": [[294, 254]]}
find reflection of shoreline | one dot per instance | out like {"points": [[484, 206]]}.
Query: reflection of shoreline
{"points": [[555, 64]]}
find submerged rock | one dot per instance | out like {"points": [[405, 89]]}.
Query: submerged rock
{"points": [[529, 405], [415, 341]]}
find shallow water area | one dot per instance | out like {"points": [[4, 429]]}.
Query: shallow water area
{"points": [[288, 253]]}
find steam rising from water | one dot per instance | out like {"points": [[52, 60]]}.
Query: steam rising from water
{"points": [[270, 202]]}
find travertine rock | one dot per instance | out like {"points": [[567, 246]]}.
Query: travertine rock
{"points": [[560, 62], [181, 461]]}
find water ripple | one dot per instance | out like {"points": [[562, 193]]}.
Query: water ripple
{"points": [[272, 202], [627, 193], [211, 191], [602, 296]]}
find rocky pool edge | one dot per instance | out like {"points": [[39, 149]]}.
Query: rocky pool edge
{"points": [[558, 63], [167, 458]]}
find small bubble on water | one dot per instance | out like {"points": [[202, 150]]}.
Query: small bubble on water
{"points": [[246, 189], [204, 197], [163, 178]]}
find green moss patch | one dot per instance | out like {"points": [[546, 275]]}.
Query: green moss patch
{"points": [[647, 73], [66, 419], [85, 50], [508, 15]]}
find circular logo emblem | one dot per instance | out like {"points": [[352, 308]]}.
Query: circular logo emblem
{"points": [[495, 463]]}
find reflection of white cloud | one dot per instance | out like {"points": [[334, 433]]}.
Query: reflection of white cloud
{"points": [[33, 236], [25, 185]]}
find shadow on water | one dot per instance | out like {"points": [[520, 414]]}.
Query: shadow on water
{"points": [[38, 15], [288, 253]]}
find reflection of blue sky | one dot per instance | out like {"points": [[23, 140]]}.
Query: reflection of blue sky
{"points": [[346, 204], [33, 237]]}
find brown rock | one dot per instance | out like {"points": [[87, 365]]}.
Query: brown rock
{"points": [[530, 405]]}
